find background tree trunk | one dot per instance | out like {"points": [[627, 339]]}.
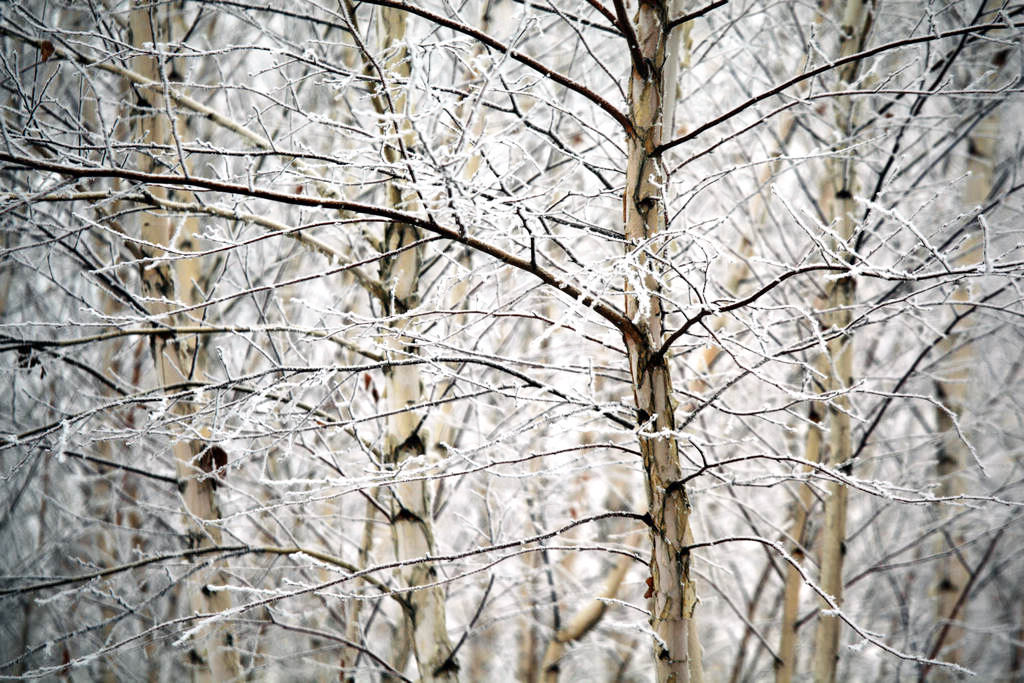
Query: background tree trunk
{"points": [[953, 456], [177, 358], [840, 293], [412, 509]]}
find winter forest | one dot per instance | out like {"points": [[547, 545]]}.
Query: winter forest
{"points": [[511, 340]]}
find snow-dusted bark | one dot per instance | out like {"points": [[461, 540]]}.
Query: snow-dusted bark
{"points": [[676, 647]]}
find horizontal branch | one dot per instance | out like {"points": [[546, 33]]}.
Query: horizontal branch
{"points": [[605, 310]]}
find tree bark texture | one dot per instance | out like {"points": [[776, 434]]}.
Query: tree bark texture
{"points": [[177, 359], [676, 648], [412, 503]]}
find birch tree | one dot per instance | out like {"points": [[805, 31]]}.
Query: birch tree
{"points": [[840, 300], [953, 574], [677, 647], [177, 358]]}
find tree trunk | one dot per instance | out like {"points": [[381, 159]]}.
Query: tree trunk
{"points": [[412, 521], [952, 573], [676, 647], [839, 293], [786, 669], [176, 358]]}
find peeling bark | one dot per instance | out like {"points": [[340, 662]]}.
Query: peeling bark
{"points": [[676, 647]]}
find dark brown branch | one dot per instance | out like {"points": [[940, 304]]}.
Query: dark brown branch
{"points": [[824, 68], [635, 56], [605, 310], [606, 13], [696, 14]]}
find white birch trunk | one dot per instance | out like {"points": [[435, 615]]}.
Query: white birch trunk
{"points": [[412, 505], [216, 656], [788, 654], [840, 295]]}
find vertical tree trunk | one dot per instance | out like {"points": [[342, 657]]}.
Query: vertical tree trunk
{"points": [[353, 628], [786, 664], [839, 294], [676, 648], [412, 506], [175, 358], [786, 669]]}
